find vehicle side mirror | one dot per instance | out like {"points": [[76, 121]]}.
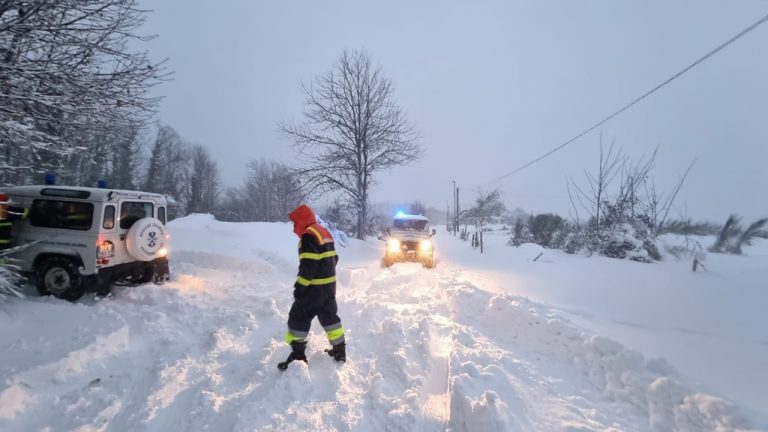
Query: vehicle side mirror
{"points": [[434, 231]]}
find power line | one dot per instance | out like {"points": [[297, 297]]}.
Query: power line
{"points": [[634, 102]]}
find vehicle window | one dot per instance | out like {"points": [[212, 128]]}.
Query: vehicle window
{"points": [[61, 214], [109, 217], [131, 211], [161, 214], [408, 224]]}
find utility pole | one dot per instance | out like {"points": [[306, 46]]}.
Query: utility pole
{"points": [[455, 211]]}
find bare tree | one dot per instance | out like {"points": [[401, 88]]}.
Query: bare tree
{"points": [[418, 208], [352, 129], [268, 194], [488, 205], [202, 188], [592, 200], [168, 166]]}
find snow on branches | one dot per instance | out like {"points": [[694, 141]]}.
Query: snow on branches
{"points": [[68, 76]]}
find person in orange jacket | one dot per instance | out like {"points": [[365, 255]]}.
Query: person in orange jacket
{"points": [[314, 290]]}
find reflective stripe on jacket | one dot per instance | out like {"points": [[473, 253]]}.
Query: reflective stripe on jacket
{"points": [[317, 258]]}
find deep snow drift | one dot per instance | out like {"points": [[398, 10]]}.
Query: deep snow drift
{"points": [[451, 348]]}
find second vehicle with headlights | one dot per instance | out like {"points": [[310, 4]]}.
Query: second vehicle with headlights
{"points": [[409, 239]]}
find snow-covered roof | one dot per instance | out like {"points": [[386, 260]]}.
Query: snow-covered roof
{"points": [[411, 217], [94, 194]]}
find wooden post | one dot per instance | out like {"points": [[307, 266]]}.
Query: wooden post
{"points": [[448, 216]]}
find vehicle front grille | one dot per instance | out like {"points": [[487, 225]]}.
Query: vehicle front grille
{"points": [[411, 245]]}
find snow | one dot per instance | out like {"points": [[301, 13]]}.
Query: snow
{"points": [[481, 343], [709, 324]]}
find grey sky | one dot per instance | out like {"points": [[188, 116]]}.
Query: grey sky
{"points": [[490, 85]]}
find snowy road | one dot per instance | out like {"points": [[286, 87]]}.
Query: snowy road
{"points": [[429, 350]]}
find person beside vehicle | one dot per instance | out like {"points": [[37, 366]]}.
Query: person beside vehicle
{"points": [[8, 215], [314, 290]]}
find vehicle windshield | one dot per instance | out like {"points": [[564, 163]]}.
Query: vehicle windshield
{"points": [[410, 224]]}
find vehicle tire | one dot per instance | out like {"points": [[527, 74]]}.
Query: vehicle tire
{"points": [[145, 239], [60, 277]]}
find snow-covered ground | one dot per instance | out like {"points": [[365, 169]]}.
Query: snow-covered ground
{"points": [[481, 343], [710, 324]]}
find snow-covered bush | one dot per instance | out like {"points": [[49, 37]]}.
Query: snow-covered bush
{"points": [[688, 227], [624, 210], [339, 236], [624, 233], [732, 237], [625, 242], [9, 282], [547, 230]]}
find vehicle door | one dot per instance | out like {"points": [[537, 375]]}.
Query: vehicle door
{"points": [[64, 227]]}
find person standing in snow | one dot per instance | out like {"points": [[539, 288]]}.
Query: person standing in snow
{"points": [[8, 215], [315, 289]]}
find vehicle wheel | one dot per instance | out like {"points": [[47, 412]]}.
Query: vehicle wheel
{"points": [[60, 277]]}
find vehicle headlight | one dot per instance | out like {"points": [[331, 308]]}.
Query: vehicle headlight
{"points": [[393, 245], [425, 245]]}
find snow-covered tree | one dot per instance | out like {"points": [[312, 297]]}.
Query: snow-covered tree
{"points": [[732, 237], [488, 206], [68, 74], [9, 281]]}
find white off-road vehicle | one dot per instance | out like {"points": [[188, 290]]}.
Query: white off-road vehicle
{"points": [[409, 239], [78, 239]]}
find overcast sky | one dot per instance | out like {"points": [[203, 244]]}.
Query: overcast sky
{"points": [[490, 85]]}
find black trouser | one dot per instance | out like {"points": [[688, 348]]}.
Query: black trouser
{"points": [[310, 302]]}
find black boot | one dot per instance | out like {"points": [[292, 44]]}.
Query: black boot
{"points": [[338, 352], [297, 353]]}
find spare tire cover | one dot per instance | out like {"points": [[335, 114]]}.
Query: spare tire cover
{"points": [[145, 239]]}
